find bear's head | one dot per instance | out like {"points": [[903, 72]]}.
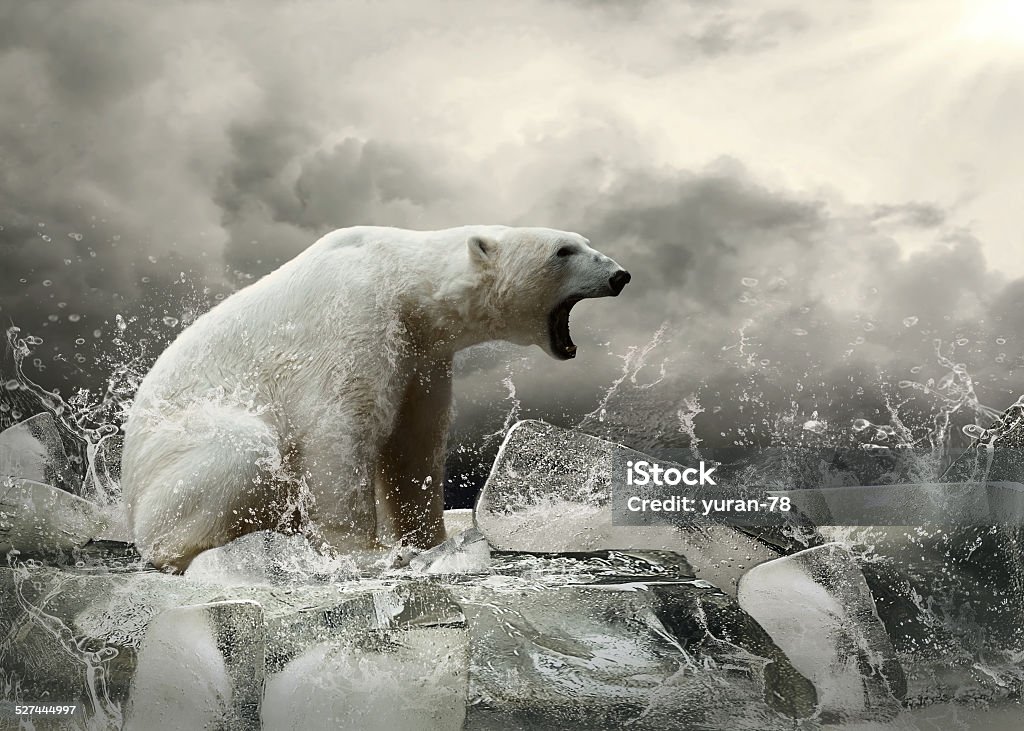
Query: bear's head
{"points": [[532, 277]]}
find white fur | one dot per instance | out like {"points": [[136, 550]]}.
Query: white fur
{"points": [[318, 398]]}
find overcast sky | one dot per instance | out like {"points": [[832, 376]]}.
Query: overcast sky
{"points": [[808, 194]]}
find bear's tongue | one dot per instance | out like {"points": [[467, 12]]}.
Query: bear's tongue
{"points": [[561, 342]]}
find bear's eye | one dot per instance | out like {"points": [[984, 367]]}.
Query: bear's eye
{"points": [[565, 251]]}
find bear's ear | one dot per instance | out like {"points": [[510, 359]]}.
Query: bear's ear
{"points": [[481, 248]]}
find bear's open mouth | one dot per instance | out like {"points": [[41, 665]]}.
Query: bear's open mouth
{"points": [[558, 328]]}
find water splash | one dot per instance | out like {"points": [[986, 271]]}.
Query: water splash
{"points": [[687, 415], [633, 361], [92, 420], [511, 416], [101, 712]]}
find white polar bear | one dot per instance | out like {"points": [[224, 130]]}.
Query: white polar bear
{"points": [[318, 398]]}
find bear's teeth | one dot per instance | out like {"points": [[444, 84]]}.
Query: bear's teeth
{"points": [[561, 340]]}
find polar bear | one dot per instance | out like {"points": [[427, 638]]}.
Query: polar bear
{"points": [[317, 399]]}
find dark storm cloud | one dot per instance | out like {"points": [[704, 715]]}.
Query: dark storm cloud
{"points": [[773, 310], [270, 217], [151, 151], [97, 185]]}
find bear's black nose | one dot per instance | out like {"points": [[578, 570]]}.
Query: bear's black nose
{"points": [[619, 280]]}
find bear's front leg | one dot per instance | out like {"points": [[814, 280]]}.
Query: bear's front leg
{"points": [[410, 472], [340, 507]]}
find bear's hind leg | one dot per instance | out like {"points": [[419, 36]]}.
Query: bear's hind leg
{"points": [[201, 478]]}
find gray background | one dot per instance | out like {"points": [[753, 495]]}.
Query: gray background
{"points": [[808, 195]]}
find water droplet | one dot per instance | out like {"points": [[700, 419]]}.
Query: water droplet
{"points": [[47, 283], [909, 321], [962, 341], [748, 282], [915, 369], [97, 333], [861, 424], [170, 321], [74, 317], [799, 331], [1000, 341], [75, 236], [869, 326], [816, 426], [152, 259], [974, 431], [79, 341]]}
